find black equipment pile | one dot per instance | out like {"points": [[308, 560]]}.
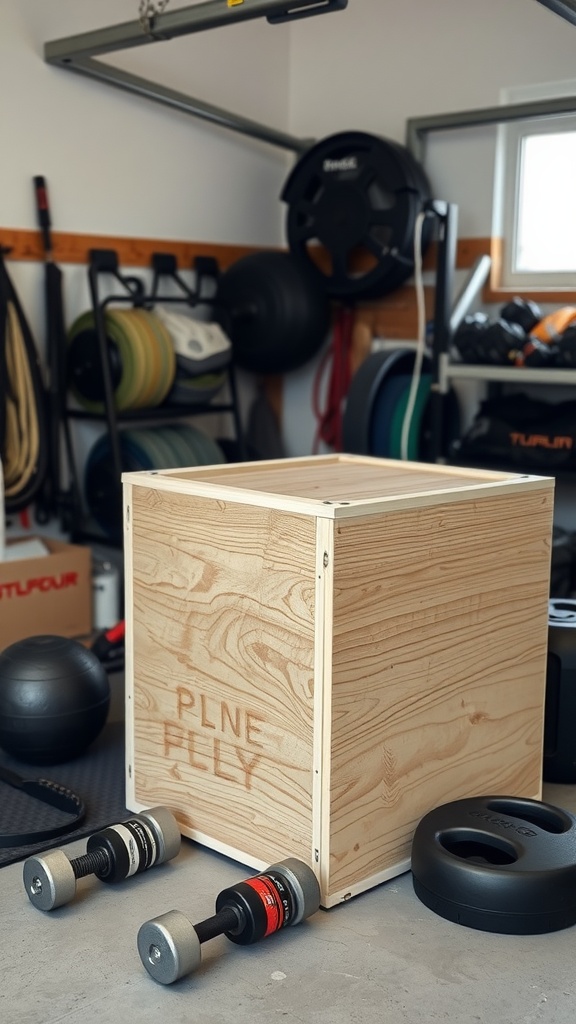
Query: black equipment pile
{"points": [[520, 336], [521, 431]]}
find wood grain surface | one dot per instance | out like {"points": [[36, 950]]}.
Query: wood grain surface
{"points": [[222, 623], [438, 669]]}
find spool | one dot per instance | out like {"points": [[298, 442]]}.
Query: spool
{"points": [[141, 358]]}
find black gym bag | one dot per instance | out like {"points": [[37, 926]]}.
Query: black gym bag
{"points": [[522, 431]]}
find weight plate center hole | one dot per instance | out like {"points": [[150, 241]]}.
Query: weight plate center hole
{"points": [[478, 848], [343, 216], [547, 818]]}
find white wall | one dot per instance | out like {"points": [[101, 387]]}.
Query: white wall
{"points": [[116, 164]]}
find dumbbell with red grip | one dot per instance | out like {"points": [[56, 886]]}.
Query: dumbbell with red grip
{"points": [[284, 894]]}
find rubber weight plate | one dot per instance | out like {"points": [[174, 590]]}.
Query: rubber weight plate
{"points": [[196, 390], [358, 196], [498, 863], [206, 450], [366, 402], [154, 388], [414, 446], [100, 484], [137, 375], [166, 354], [84, 365]]}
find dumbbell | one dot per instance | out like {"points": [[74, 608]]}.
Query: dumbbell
{"points": [[284, 894], [113, 854], [524, 312], [468, 338], [566, 348]]}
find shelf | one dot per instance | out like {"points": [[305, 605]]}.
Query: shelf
{"points": [[509, 374], [159, 412]]}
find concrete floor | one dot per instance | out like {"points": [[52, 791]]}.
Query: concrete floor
{"points": [[381, 957]]}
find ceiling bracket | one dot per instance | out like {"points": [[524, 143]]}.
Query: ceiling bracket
{"points": [[77, 53]]}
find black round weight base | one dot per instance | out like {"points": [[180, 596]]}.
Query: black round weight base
{"points": [[498, 864], [492, 921]]}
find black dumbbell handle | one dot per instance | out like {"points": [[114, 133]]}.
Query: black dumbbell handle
{"points": [[98, 861], [226, 920]]}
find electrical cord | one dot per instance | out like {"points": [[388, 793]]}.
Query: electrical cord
{"points": [[420, 337]]}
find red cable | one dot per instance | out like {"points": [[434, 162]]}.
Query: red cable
{"points": [[336, 359]]}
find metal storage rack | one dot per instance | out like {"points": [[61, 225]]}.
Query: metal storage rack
{"points": [[448, 372], [164, 266]]}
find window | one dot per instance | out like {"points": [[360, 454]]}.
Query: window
{"points": [[536, 214]]}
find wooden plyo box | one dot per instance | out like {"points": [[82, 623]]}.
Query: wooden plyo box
{"points": [[321, 650]]}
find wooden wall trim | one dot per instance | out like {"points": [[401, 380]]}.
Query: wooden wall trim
{"points": [[74, 248], [132, 252], [70, 247], [393, 316]]}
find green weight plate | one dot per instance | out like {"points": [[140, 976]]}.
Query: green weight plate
{"points": [[159, 450], [180, 445], [168, 356], [115, 332], [152, 357], [422, 396], [159, 371], [206, 450], [170, 446], [141, 368], [390, 393]]}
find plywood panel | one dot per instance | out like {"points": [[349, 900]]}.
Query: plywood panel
{"points": [[223, 655], [340, 478], [438, 668]]}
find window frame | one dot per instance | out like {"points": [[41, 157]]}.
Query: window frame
{"points": [[418, 129], [507, 183]]}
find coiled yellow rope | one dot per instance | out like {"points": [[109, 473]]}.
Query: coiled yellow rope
{"points": [[22, 434]]}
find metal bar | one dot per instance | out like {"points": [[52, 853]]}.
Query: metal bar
{"points": [[565, 8], [186, 104], [418, 128], [475, 281], [75, 53], [447, 214], [168, 25]]}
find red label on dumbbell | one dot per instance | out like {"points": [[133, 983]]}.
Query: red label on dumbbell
{"points": [[271, 900]]}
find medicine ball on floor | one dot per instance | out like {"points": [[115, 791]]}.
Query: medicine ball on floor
{"points": [[275, 315], [54, 699]]}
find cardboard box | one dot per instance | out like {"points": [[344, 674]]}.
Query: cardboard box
{"points": [[49, 594], [321, 650]]}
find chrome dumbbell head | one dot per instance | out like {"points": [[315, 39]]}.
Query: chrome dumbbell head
{"points": [[285, 894], [115, 853]]}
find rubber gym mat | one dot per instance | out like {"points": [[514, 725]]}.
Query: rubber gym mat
{"points": [[98, 779]]}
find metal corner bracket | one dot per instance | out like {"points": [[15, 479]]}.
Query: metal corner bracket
{"points": [[77, 53]]}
